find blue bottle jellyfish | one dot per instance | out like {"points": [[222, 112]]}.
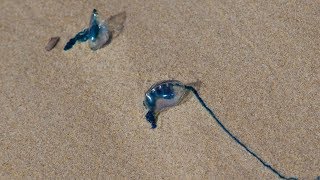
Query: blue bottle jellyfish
{"points": [[162, 96], [97, 33], [167, 94]]}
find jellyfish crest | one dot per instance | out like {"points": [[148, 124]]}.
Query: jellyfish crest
{"points": [[94, 26], [97, 33], [94, 17]]}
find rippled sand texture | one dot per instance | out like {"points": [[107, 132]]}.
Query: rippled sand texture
{"points": [[79, 113]]}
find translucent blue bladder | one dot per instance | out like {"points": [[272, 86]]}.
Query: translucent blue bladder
{"points": [[167, 94], [162, 96], [97, 33]]}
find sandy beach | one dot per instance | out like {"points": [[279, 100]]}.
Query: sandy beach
{"points": [[79, 113]]}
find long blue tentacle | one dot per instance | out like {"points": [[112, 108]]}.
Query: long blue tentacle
{"points": [[194, 91]]}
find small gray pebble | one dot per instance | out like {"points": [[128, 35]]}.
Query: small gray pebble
{"points": [[52, 43]]}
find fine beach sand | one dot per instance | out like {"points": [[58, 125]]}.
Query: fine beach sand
{"points": [[79, 113]]}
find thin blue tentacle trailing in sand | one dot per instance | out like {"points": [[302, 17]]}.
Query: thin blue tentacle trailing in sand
{"points": [[97, 33], [167, 94]]}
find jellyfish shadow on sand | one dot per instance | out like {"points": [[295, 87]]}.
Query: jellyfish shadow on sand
{"points": [[116, 26]]}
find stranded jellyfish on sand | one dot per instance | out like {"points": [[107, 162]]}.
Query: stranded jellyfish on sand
{"points": [[167, 94]]}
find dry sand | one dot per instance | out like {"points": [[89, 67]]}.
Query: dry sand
{"points": [[79, 113]]}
